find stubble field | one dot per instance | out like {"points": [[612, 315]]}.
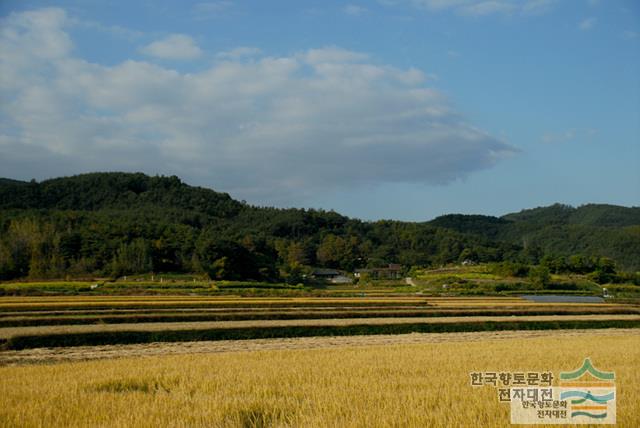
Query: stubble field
{"points": [[415, 385], [80, 361]]}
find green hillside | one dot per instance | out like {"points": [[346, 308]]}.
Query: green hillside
{"points": [[100, 191], [112, 224], [561, 230], [600, 215]]}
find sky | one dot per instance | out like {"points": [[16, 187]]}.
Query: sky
{"points": [[388, 109]]}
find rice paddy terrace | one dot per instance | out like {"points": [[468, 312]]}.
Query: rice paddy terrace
{"points": [[69, 321], [292, 361]]}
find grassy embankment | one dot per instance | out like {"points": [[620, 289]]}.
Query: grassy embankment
{"points": [[454, 280], [485, 280]]}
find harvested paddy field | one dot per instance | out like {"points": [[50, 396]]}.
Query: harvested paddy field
{"points": [[383, 383], [44, 318], [81, 353], [61, 321], [239, 362], [10, 332]]}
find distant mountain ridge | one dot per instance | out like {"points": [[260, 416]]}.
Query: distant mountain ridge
{"points": [[96, 191], [603, 215], [99, 222], [118, 190], [559, 229]]}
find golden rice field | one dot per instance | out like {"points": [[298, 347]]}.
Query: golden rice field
{"points": [[401, 385], [64, 329], [53, 300], [12, 303], [178, 361], [59, 321]]}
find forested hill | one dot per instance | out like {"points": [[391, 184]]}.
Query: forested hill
{"points": [[586, 215], [121, 223], [99, 191], [592, 229]]}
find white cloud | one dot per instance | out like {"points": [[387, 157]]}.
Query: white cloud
{"points": [[355, 10], [173, 47], [630, 35], [50, 42], [587, 24], [271, 128]]}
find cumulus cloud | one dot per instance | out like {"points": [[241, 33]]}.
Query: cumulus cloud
{"points": [[265, 128], [173, 47]]}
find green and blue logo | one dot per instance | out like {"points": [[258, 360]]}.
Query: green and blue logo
{"points": [[590, 392]]}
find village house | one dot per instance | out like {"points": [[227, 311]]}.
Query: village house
{"points": [[331, 275]]}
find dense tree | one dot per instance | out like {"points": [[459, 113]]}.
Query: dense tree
{"points": [[540, 276], [119, 224], [338, 252], [132, 258]]}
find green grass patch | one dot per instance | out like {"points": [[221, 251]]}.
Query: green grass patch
{"points": [[142, 286], [624, 291]]}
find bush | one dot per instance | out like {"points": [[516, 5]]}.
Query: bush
{"points": [[540, 276], [510, 269]]}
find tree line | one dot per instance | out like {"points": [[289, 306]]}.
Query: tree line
{"points": [[114, 224]]}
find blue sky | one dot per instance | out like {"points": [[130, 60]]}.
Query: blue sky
{"points": [[403, 109]]}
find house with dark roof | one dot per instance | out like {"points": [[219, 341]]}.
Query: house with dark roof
{"points": [[331, 275]]}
